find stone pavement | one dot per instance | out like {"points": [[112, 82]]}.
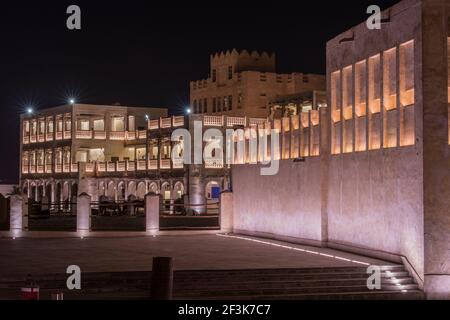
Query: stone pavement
{"points": [[107, 254]]}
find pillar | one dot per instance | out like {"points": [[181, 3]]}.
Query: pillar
{"points": [[436, 150], [18, 215], [152, 213], [162, 278], [197, 194], [226, 212], [83, 214]]}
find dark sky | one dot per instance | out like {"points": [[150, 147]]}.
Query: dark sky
{"points": [[140, 54]]}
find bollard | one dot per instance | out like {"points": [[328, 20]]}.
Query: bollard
{"points": [[30, 291], [58, 296], [162, 278]]}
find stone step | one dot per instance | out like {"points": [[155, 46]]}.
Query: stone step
{"points": [[288, 290], [372, 295]]}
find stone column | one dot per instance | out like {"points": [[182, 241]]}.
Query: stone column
{"points": [[18, 215], [83, 214], [197, 193], [226, 212], [152, 201], [436, 150]]}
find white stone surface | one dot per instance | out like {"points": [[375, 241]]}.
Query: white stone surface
{"points": [[152, 213]]}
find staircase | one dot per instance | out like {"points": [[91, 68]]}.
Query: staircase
{"points": [[276, 284]]}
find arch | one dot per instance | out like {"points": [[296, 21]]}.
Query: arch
{"points": [[74, 189], [111, 191], [178, 190], [40, 192], [65, 191], [102, 188], [131, 188], [212, 190], [48, 191], [121, 191], [153, 187], [141, 190], [166, 191], [58, 192]]}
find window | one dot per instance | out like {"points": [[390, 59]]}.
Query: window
{"points": [[99, 125], [360, 105], [200, 106], [68, 124], [41, 126], [390, 79], [84, 125], [117, 124], [390, 98], [205, 105], [239, 101], [214, 105], [406, 82], [374, 103], [347, 101], [407, 73], [195, 106], [225, 103], [230, 103], [336, 112], [131, 123], [219, 107], [230, 72], [50, 125], [214, 75]]}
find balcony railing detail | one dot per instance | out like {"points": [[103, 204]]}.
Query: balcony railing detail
{"points": [[41, 138], [90, 166], [101, 166], [59, 135], [121, 166], [165, 164], [48, 168], [100, 135], [49, 136], [117, 136], [166, 123], [236, 121], [213, 121], [141, 165], [131, 166], [178, 121], [33, 139], [67, 135], [84, 134], [142, 134], [58, 168], [153, 124], [74, 167], [153, 165], [110, 166]]}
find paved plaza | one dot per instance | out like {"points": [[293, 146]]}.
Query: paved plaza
{"points": [[107, 254]]}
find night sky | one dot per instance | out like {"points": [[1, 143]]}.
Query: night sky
{"points": [[142, 55]]}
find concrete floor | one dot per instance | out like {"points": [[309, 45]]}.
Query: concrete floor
{"points": [[53, 255]]}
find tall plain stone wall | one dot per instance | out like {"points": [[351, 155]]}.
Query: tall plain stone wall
{"points": [[375, 203], [285, 205]]}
